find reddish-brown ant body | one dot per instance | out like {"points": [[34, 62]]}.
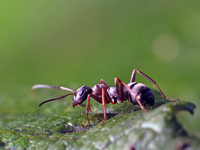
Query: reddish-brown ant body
{"points": [[135, 93]]}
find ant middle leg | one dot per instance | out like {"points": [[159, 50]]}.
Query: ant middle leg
{"points": [[151, 80], [108, 98], [103, 104], [103, 82], [105, 100]]}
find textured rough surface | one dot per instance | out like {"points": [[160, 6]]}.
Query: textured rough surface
{"points": [[129, 130]]}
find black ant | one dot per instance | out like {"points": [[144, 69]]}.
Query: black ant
{"points": [[135, 93]]}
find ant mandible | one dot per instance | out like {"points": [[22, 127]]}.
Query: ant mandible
{"points": [[135, 93]]}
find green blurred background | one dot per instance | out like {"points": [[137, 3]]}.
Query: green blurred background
{"points": [[74, 43]]}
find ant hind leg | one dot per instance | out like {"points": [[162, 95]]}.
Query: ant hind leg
{"points": [[152, 81], [122, 84]]}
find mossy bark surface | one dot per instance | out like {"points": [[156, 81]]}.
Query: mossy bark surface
{"points": [[129, 129]]}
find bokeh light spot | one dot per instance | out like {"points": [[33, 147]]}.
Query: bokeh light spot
{"points": [[166, 47]]}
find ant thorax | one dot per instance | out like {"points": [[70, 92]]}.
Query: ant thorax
{"points": [[97, 89], [114, 94]]}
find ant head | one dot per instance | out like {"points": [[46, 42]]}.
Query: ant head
{"points": [[81, 95]]}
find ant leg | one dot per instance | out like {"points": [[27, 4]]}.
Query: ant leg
{"points": [[133, 76], [152, 81], [103, 82], [136, 97], [108, 98], [98, 99], [116, 83], [103, 103], [87, 110], [122, 84], [106, 93], [120, 90], [105, 99]]}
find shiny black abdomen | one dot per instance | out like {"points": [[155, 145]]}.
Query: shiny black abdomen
{"points": [[142, 92]]}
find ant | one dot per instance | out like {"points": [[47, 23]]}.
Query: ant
{"points": [[133, 92]]}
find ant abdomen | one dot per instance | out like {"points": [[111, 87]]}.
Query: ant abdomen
{"points": [[142, 92]]}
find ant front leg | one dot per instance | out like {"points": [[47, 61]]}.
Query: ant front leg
{"points": [[151, 80], [88, 106], [87, 110], [121, 93]]}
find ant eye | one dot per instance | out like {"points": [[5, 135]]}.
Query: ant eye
{"points": [[81, 92]]}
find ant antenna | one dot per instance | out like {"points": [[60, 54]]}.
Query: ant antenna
{"points": [[52, 87], [61, 97]]}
